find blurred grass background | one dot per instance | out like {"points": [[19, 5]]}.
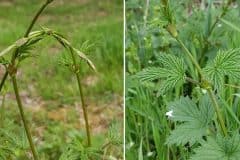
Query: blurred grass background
{"points": [[98, 22]]}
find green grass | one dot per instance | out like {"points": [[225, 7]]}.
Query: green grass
{"points": [[150, 133], [97, 22]]}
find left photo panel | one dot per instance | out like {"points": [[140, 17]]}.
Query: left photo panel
{"points": [[61, 80]]}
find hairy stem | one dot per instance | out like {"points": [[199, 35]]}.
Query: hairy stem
{"points": [[217, 109], [210, 92], [194, 61], [34, 152], [34, 20], [85, 112], [192, 81]]}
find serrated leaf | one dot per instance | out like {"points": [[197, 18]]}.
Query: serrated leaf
{"points": [[219, 148], [172, 72], [195, 120], [226, 63], [152, 73]]}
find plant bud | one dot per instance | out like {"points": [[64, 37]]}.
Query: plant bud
{"points": [[164, 2], [171, 28]]}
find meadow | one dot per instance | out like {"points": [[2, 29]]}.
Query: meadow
{"points": [[48, 90]]}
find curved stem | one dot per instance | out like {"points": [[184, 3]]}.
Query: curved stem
{"points": [[217, 109], [25, 35], [35, 18], [34, 152], [85, 112]]}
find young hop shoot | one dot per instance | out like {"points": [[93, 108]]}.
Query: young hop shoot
{"points": [[20, 50]]}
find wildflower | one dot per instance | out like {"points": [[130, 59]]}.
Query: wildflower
{"points": [[204, 91], [169, 113], [219, 25], [149, 154]]}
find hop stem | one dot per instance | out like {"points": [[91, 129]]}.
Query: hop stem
{"points": [[85, 112], [25, 35], [34, 152]]}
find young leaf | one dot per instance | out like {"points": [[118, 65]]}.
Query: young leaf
{"points": [[84, 57], [219, 148], [195, 120], [226, 63], [8, 49]]}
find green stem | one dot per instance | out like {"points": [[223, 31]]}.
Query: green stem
{"points": [[34, 152], [224, 12], [210, 92], [2, 110], [217, 109], [35, 18], [194, 61], [3, 80], [25, 35], [85, 112]]}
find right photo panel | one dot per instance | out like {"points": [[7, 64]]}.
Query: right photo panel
{"points": [[182, 90]]}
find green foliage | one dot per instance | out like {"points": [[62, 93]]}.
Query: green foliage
{"points": [[226, 63], [219, 148], [77, 151], [195, 120], [205, 31], [13, 141], [173, 73], [53, 138]]}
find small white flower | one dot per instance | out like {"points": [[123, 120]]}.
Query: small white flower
{"points": [[219, 25], [204, 91], [169, 113], [149, 154], [131, 144], [149, 61]]}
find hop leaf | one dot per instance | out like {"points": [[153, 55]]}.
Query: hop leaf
{"points": [[173, 72], [226, 63], [195, 120], [219, 148]]}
